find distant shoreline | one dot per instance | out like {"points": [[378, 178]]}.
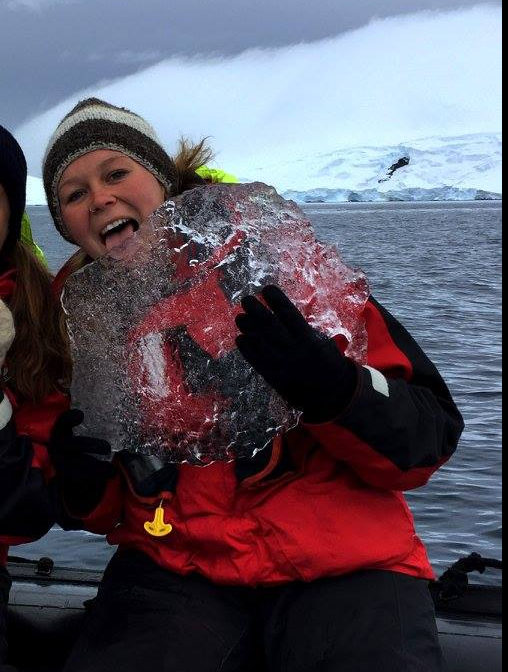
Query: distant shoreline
{"points": [[479, 202]]}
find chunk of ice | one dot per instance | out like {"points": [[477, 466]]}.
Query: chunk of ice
{"points": [[152, 324]]}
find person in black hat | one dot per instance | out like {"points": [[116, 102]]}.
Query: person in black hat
{"points": [[31, 370]]}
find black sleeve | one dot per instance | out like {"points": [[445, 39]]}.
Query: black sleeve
{"points": [[402, 424], [27, 503]]}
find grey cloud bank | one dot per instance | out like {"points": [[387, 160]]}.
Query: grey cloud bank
{"points": [[51, 49]]}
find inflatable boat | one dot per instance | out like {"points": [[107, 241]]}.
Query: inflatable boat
{"points": [[48, 605]]}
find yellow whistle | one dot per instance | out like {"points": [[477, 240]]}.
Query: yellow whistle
{"points": [[158, 528]]}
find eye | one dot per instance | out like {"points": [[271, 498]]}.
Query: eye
{"points": [[118, 174], [75, 196]]}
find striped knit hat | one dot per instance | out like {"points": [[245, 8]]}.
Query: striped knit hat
{"points": [[94, 124]]}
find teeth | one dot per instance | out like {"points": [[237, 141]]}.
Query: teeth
{"points": [[114, 225]]}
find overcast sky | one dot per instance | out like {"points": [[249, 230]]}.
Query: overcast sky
{"points": [[50, 49]]}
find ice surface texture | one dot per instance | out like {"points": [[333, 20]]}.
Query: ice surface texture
{"points": [[152, 324]]}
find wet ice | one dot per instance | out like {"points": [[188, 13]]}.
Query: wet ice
{"points": [[153, 331]]}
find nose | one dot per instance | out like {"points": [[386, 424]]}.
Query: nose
{"points": [[101, 198]]}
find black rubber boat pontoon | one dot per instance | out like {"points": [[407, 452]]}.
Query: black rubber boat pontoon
{"points": [[48, 604]]}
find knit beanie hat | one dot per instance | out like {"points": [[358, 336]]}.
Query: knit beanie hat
{"points": [[94, 124], [13, 176]]}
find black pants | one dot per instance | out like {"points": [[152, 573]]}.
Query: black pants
{"points": [[5, 585], [3, 633], [148, 619]]}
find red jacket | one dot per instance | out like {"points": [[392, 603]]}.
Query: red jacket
{"points": [[27, 500], [323, 500]]}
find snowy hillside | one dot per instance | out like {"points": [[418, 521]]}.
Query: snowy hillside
{"points": [[453, 168]]}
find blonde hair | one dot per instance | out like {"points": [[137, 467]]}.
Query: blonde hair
{"points": [[38, 360], [189, 158]]}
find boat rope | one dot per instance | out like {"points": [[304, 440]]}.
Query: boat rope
{"points": [[455, 581]]}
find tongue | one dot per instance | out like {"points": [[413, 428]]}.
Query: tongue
{"points": [[118, 239]]}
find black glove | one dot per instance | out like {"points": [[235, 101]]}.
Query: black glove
{"points": [[82, 477], [306, 368]]}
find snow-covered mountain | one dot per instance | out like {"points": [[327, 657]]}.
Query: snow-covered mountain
{"points": [[453, 168], [456, 168]]}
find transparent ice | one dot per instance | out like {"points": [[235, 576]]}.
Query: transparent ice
{"points": [[152, 324]]}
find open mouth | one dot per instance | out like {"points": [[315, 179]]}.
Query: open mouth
{"points": [[117, 232]]}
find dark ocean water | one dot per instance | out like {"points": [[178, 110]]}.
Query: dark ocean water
{"points": [[437, 267]]}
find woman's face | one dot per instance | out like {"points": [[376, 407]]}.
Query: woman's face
{"points": [[104, 198], [5, 213]]}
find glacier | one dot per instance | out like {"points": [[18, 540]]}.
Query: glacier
{"points": [[391, 196]]}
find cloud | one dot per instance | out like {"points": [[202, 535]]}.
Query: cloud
{"points": [[427, 74], [129, 57], [37, 5]]}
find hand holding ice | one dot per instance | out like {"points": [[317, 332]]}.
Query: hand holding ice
{"points": [[153, 331]]}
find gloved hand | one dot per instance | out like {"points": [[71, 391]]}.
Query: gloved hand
{"points": [[81, 476], [7, 331], [306, 368]]}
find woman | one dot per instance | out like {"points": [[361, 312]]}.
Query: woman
{"points": [[303, 558], [31, 346]]}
